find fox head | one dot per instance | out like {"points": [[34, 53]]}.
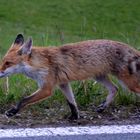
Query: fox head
{"points": [[16, 57]]}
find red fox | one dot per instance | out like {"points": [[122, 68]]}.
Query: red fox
{"points": [[51, 66]]}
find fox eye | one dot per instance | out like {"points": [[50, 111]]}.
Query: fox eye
{"points": [[7, 63]]}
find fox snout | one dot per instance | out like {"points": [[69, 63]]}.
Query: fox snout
{"points": [[8, 71], [2, 74]]}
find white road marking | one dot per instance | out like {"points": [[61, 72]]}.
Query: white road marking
{"points": [[65, 131]]}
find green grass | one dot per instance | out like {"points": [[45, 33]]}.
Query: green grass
{"points": [[53, 22]]}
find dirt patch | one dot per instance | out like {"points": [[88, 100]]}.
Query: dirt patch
{"points": [[58, 117]]}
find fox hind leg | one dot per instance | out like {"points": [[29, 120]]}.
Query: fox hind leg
{"points": [[68, 93], [112, 90]]}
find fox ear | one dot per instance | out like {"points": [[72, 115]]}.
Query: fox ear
{"points": [[26, 47], [19, 39]]}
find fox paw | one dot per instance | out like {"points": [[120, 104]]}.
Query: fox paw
{"points": [[73, 117], [101, 107], [11, 112]]}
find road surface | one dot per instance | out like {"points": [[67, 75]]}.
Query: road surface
{"points": [[113, 132]]}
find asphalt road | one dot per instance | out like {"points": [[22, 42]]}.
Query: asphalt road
{"points": [[113, 132], [83, 137]]}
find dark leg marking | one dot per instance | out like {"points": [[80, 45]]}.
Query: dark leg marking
{"points": [[101, 107], [67, 91], [74, 111], [13, 111]]}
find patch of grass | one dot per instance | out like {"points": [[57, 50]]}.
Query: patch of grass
{"points": [[62, 21], [77, 20], [87, 92], [19, 86], [125, 97]]}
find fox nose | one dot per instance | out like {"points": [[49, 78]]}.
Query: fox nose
{"points": [[2, 71], [2, 74]]}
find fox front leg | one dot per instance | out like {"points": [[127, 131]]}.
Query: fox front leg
{"points": [[37, 96], [67, 91], [112, 90]]}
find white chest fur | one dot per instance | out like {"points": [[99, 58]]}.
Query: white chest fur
{"points": [[37, 74]]}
